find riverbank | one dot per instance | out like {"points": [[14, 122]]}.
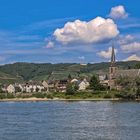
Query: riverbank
{"points": [[79, 96], [33, 99]]}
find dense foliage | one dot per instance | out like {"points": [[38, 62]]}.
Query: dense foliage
{"points": [[95, 83], [71, 89]]}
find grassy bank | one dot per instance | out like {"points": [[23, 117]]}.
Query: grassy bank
{"points": [[86, 95], [92, 95], [77, 95]]}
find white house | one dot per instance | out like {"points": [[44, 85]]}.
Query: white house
{"points": [[45, 85], [34, 88], [11, 89], [40, 88], [83, 84], [74, 81], [21, 87], [28, 88]]}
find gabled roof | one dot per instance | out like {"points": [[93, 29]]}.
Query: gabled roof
{"points": [[128, 73]]}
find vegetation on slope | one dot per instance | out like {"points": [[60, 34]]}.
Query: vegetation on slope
{"points": [[32, 71]]}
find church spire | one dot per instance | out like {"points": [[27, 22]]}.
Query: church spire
{"points": [[112, 70], [113, 58]]}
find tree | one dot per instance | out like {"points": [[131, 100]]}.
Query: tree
{"points": [[17, 89], [69, 77], [138, 81], [137, 66], [138, 87], [70, 89], [95, 83], [1, 91]]}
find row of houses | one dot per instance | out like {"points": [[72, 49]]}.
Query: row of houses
{"points": [[24, 88], [44, 86]]}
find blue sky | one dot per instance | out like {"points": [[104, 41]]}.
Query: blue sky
{"points": [[80, 31]]}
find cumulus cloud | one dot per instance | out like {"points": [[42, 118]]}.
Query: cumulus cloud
{"points": [[118, 12], [50, 45], [132, 47], [106, 54], [94, 31], [133, 57], [123, 40]]}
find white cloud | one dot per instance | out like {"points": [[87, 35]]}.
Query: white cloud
{"points": [[106, 54], [81, 57], [133, 57], [50, 45], [118, 12], [132, 47], [94, 31], [123, 40]]}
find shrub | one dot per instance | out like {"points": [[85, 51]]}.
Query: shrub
{"points": [[107, 96], [10, 96], [67, 97], [49, 96], [118, 95], [39, 95]]}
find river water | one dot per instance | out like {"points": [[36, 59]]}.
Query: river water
{"points": [[70, 120]]}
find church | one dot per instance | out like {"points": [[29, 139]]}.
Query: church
{"points": [[115, 72], [112, 70]]}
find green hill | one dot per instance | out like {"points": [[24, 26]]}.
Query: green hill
{"points": [[7, 78], [31, 71]]}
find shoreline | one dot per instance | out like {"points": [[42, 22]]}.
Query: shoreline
{"points": [[60, 99]]}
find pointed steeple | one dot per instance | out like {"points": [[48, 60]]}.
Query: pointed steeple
{"points": [[113, 58]]}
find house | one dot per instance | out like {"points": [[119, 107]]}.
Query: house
{"points": [[34, 88], [83, 85], [102, 77], [45, 85], [40, 88], [62, 85], [4, 88], [11, 89], [74, 81], [104, 80], [28, 88], [21, 87], [52, 86]]}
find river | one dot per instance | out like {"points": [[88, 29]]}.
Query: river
{"points": [[83, 120]]}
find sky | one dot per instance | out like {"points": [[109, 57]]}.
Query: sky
{"points": [[72, 31]]}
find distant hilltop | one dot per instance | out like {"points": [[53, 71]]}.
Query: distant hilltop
{"points": [[19, 72]]}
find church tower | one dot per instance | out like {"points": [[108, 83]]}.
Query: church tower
{"points": [[112, 70]]}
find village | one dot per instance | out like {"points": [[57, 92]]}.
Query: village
{"points": [[44, 86], [106, 81]]}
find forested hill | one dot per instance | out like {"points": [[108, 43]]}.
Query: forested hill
{"points": [[32, 71]]}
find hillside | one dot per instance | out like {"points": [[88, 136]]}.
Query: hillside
{"points": [[31, 71], [7, 78]]}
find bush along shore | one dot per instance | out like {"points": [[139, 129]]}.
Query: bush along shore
{"points": [[87, 95]]}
